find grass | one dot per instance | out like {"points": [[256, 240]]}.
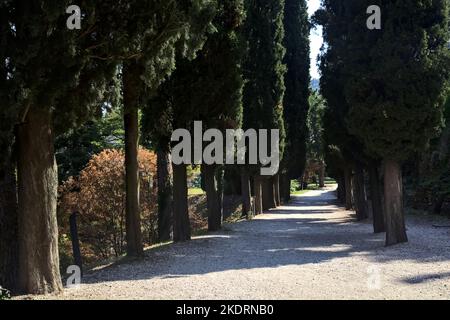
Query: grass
{"points": [[195, 192], [299, 192]]}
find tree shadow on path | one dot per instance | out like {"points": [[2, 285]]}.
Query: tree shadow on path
{"points": [[310, 230]]}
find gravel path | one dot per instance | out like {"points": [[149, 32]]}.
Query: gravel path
{"points": [[310, 249]]}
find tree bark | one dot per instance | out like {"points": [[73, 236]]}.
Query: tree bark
{"points": [[322, 175], [131, 125], [285, 182], [9, 246], [37, 198], [268, 194], [377, 201], [348, 188], [341, 189], [165, 219], [257, 186], [438, 203], [246, 194], [181, 222], [220, 177], [276, 189], [212, 198], [360, 193], [393, 202]]}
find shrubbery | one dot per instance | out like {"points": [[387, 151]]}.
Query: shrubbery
{"points": [[4, 294], [98, 195]]}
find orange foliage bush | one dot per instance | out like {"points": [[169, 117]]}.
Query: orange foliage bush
{"points": [[98, 195]]}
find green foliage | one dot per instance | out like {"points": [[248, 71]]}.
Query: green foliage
{"points": [[341, 146], [315, 144], [208, 88], [297, 79], [76, 147], [264, 70], [4, 294], [332, 18], [396, 76]]}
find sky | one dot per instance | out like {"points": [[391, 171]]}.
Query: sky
{"points": [[316, 40]]}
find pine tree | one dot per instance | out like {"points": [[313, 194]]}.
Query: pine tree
{"points": [[395, 88], [297, 79], [264, 74]]}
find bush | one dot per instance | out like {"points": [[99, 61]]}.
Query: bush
{"points": [[98, 195], [4, 294]]}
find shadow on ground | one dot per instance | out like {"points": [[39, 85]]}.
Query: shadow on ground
{"points": [[310, 230]]}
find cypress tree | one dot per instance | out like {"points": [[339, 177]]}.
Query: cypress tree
{"points": [[219, 92], [264, 74], [168, 108], [336, 19], [60, 78], [207, 89], [52, 85], [395, 88], [160, 28], [336, 134], [296, 103], [8, 199]]}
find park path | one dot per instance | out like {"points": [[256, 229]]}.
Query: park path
{"points": [[310, 249]]}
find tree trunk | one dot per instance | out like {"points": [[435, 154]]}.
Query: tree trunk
{"points": [[276, 189], [322, 175], [285, 188], [181, 222], [341, 189], [37, 198], [212, 198], [220, 177], [246, 194], [438, 203], [9, 253], [268, 194], [165, 220], [348, 188], [377, 201], [257, 186], [393, 202], [131, 125], [360, 193]]}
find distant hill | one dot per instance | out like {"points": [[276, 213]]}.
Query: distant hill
{"points": [[315, 84]]}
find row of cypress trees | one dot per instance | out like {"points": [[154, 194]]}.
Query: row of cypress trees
{"points": [[174, 62], [385, 90]]}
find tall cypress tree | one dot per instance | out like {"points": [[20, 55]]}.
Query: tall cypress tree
{"points": [[264, 73], [52, 85], [332, 18], [297, 79], [8, 198], [336, 19], [395, 89], [59, 78], [158, 30], [169, 108], [207, 89], [219, 92]]}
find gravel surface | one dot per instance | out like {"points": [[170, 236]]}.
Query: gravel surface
{"points": [[310, 249]]}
